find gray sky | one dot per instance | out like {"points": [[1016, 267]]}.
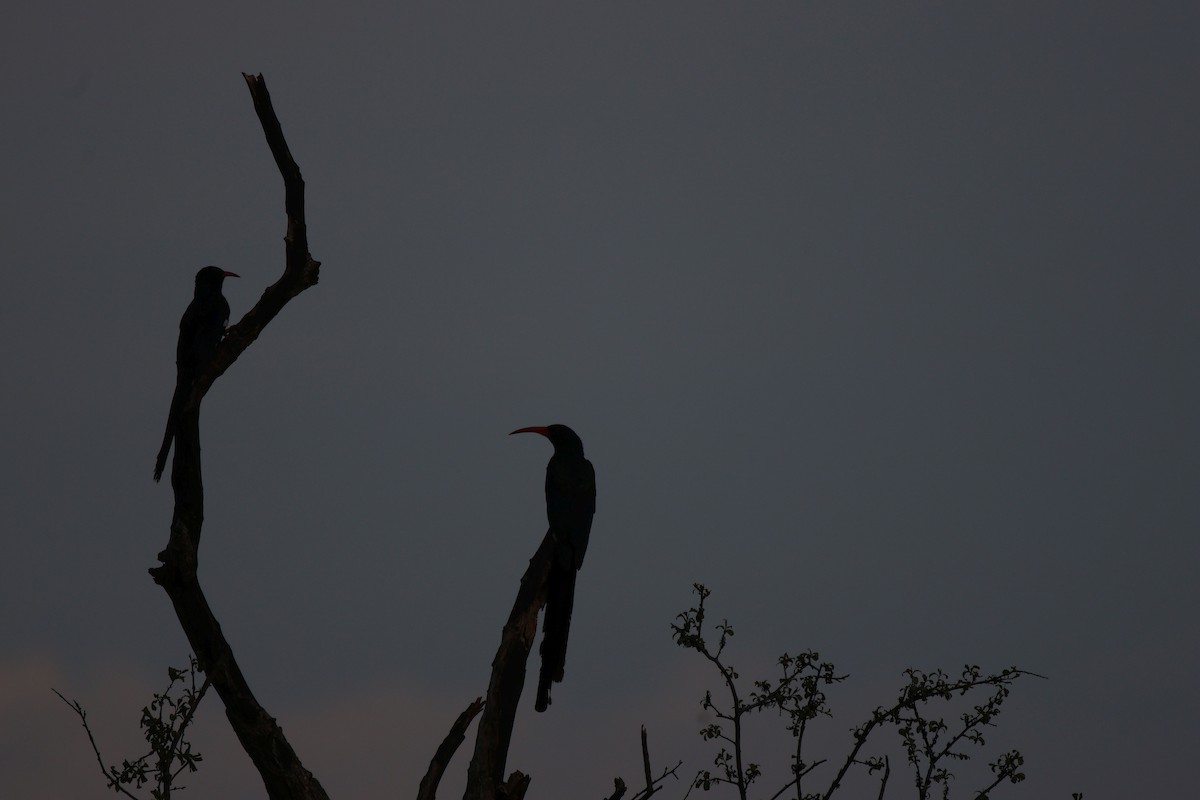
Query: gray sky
{"points": [[880, 321]]}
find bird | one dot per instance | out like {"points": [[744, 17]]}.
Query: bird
{"points": [[200, 331], [570, 505]]}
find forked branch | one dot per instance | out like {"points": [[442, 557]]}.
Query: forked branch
{"points": [[282, 772]]}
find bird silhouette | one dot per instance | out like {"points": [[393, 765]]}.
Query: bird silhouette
{"points": [[570, 505], [200, 331]]}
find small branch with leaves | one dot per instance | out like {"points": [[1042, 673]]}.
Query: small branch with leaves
{"points": [[164, 725], [930, 742]]}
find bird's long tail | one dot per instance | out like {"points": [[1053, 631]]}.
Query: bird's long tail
{"points": [[560, 597], [160, 463]]}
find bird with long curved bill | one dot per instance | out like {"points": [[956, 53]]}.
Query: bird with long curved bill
{"points": [[570, 505], [200, 331]]}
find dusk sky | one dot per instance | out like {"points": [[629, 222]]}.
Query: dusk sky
{"points": [[879, 319]]}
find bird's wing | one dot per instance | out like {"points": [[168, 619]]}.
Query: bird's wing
{"points": [[200, 331], [571, 503]]}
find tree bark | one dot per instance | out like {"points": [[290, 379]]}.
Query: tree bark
{"points": [[441, 759], [485, 775], [282, 772]]}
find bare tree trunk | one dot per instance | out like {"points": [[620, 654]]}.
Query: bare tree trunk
{"points": [[485, 775], [282, 772]]}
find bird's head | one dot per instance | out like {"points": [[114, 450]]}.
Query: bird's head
{"points": [[211, 278], [565, 440]]}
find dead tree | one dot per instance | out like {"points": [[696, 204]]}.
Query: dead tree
{"points": [[283, 774], [486, 771]]}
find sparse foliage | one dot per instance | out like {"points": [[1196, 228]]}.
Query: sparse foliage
{"points": [[164, 725], [930, 740]]}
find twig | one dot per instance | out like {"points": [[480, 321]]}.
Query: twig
{"points": [[911, 700], [796, 781], [652, 784], [78, 709], [191, 712], [646, 765]]}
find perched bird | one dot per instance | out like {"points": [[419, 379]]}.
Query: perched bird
{"points": [[570, 504], [200, 331]]}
